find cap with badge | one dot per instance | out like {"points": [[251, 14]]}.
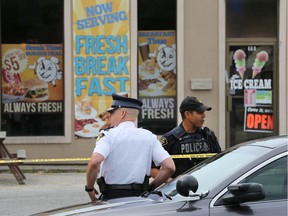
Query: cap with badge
{"points": [[192, 103], [124, 102]]}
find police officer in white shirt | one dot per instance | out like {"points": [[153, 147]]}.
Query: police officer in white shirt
{"points": [[126, 153]]}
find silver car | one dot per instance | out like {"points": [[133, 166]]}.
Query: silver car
{"points": [[247, 179]]}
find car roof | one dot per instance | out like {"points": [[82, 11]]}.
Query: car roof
{"points": [[269, 142]]}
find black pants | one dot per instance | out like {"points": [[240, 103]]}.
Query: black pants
{"points": [[117, 193]]}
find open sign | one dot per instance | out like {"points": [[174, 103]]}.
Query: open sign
{"points": [[259, 119]]}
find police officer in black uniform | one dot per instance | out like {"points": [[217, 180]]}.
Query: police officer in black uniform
{"points": [[190, 137]]}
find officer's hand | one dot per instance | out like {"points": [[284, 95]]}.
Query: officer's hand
{"points": [[92, 195]]}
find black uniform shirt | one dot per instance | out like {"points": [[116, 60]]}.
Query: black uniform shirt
{"points": [[177, 141]]}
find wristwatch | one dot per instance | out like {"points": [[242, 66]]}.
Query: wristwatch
{"points": [[89, 189]]}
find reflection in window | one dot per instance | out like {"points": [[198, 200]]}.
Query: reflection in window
{"points": [[273, 177], [32, 67], [248, 18]]}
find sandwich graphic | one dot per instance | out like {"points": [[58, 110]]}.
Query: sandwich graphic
{"points": [[37, 90]]}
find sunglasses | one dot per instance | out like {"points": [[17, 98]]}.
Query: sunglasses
{"points": [[115, 108], [112, 111]]}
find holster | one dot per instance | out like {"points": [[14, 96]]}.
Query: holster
{"points": [[146, 183], [102, 184]]}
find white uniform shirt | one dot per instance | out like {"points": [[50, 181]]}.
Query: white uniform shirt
{"points": [[128, 153]]}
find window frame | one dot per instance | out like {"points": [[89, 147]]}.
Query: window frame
{"points": [[269, 171], [67, 47]]}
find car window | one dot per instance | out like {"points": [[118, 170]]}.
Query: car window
{"points": [[273, 177], [218, 168]]}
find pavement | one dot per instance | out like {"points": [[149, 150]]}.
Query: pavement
{"points": [[46, 187]]}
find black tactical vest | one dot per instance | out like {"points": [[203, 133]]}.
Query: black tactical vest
{"points": [[178, 142]]}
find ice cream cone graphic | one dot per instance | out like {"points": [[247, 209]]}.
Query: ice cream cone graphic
{"points": [[240, 62], [259, 62]]}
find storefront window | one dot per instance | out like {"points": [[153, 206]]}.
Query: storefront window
{"points": [[157, 71], [32, 67], [248, 18]]}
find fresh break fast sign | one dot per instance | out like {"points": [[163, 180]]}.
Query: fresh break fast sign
{"points": [[101, 59]]}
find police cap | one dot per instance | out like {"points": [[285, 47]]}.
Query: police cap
{"points": [[192, 103], [125, 102]]}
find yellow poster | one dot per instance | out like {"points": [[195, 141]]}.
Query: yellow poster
{"points": [[157, 80], [32, 78], [157, 63], [101, 47]]}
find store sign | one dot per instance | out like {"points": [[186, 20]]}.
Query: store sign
{"points": [[101, 59], [259, 119], [32, 78], [157, 80]]}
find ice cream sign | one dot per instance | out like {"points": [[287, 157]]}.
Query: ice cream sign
{"points": [[251, 68], [251, 84], [251, 78]]}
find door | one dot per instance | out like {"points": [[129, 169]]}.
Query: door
{"points": [[250, 90]]}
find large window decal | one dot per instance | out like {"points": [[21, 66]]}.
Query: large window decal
{"points": [[250, 79], [102, 60], [157, 80]]}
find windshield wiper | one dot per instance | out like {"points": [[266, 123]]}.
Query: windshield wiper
{"points": [[159, 193]]}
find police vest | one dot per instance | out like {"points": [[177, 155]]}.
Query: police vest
{"points": [[178, 142]]}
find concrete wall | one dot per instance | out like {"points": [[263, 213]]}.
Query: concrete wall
{"points": [[201, 36]]}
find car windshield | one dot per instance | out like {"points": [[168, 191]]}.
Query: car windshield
{"points": [[213, 170]]}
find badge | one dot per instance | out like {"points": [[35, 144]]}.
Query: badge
{"points": [[100, 136], [163, 141]]}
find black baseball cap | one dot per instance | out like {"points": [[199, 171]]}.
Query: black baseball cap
{"points": [[192, 103], [125, 102]]}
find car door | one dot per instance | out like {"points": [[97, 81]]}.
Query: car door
{"points": [[273, 177]]}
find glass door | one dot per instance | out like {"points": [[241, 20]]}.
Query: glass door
{"points": [[251, 93]]}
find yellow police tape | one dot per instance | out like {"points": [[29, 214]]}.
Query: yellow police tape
{"points": [[194, 155], [11, 161]]}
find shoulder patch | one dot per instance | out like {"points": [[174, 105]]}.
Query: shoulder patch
{"points": [[100, 136], [163, 141]]}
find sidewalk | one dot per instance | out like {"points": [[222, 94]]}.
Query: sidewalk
{"points": [[46, 187], [46, 168]]}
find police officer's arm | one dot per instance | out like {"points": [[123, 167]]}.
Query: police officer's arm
{"points": [[91, 174], [154, 172], [216, 143], [155, 169], [166, 171]]}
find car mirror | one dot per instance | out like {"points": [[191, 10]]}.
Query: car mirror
{"points": [[185, 184], [244, 192]]}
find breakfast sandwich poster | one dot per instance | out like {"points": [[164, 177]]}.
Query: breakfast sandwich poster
{"points": [[157, 79], [32, 78], [101, 47]]}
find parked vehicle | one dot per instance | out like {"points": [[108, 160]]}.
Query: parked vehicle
{"points": [[247, 179]]}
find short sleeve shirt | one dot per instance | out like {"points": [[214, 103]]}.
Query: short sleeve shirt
{"points": [[128, 153]]}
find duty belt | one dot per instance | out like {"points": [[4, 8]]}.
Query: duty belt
{"points": [[133, 186]]}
